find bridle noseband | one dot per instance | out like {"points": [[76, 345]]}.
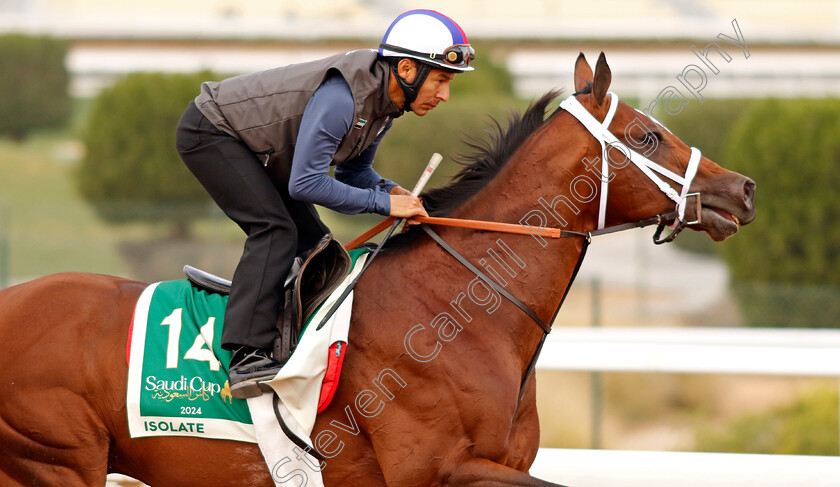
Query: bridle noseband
{"points": [[601, 132]]}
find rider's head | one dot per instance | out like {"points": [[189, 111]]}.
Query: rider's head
{"points": [[420, 42]]}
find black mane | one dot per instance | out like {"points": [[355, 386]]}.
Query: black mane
{"points": [[480, 167], [487, 159]]}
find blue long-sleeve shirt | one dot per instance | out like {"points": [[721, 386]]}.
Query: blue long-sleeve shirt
{"points": [[357, 188]]}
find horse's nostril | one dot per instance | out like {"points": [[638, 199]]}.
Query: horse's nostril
{"points": [[749, 191]]}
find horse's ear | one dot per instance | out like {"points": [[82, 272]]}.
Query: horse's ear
{"points": [[583, 73], [603, 78]]}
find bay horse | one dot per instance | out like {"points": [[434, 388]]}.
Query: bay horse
{"points": [[435, 389]]}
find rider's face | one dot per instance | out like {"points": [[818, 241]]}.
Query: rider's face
{"points": [[433, 91]]}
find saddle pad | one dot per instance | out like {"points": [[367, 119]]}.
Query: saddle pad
{"points": [[177, 373], [177, 381]]}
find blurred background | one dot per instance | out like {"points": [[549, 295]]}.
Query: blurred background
{"points": [[90, 180]]}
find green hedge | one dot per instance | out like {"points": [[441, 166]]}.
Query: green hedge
{"points": [[785, 266], [708, 125], [792, 151], [788, 305], [34, 83], [806, 426], [791, 148], [132, 169]]}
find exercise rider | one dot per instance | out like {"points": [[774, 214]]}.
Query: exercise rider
{"points": [[262, 145]]}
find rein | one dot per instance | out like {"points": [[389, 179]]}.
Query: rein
{"points": [[659, 220], [510, 228]]}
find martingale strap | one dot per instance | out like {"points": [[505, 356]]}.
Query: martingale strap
{"points": [[601, 132], [546, 327], [490, 282]]}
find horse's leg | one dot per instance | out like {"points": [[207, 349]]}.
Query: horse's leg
{"points": [[523, 440], [180, 462], [40, 449], [52, 429]]}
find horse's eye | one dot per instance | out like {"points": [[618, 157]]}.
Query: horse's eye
{"points": [[652, 138]]}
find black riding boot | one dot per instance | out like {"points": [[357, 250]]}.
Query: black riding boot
{"points": [[248, 367]]}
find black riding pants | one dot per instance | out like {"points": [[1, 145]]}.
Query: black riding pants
{"points": [[277, 226]]}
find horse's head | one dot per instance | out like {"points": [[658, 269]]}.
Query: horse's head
{"points": [[649, 170]]}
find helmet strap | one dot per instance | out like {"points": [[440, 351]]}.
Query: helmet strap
{"points": [[410, 90]]}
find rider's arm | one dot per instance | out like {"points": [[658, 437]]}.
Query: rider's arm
{"points": [[326, 120], [359, 171]]}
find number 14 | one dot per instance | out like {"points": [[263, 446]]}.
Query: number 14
{"points": [[200, 350]]}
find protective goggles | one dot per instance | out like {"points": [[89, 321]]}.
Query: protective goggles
{"points": [[459, 55]]}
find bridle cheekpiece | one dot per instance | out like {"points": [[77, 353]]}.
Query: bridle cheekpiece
{"points": [[601, 132]]}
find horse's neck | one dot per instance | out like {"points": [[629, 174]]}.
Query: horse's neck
{"points": [[541, 172], [536, 271]]}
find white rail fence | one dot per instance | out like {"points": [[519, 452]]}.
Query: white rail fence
{"points": [[782, 352], [621, 468], [761, 351]]}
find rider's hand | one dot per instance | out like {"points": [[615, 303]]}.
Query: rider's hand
{"points": [[400, 190], [406, 206]]}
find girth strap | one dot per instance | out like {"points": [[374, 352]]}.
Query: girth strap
{"points": [[490, 282]]}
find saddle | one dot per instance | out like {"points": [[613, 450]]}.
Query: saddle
{"points": [[315, 274]]}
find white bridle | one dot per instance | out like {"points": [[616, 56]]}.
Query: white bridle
{"points": [[601, 132]]}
